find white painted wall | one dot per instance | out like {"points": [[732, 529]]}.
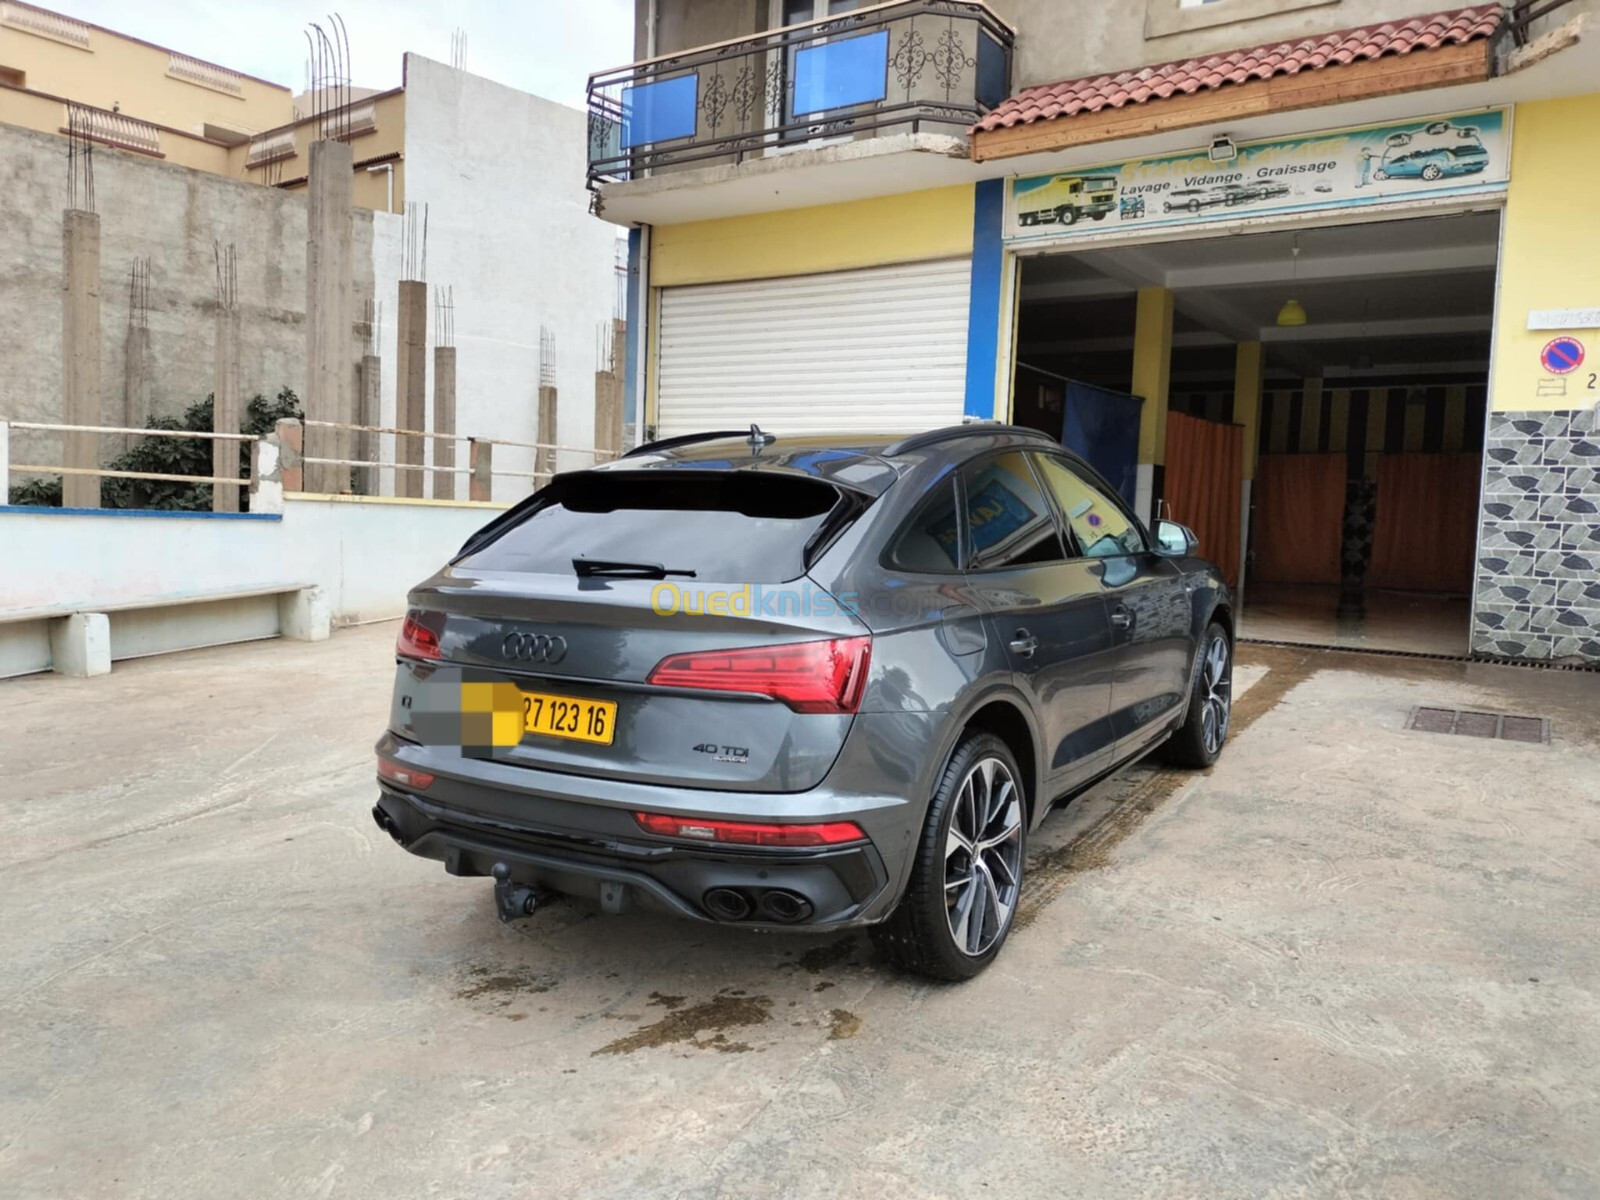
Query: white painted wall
{"points": [[364, 554], [509, 228]]}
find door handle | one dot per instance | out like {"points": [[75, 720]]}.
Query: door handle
{"points": [[1024, 644], [1121, 618]]}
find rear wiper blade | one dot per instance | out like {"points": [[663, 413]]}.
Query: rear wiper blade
{"points": [[589, 567]]}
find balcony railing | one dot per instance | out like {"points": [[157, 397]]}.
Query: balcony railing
{"points": [[909, 66]]}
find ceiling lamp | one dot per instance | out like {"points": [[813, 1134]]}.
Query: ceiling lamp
{"points": [[1293, 312], [1222, 149]]}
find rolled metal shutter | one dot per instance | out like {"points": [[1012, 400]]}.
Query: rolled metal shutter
{"points": [[876, 350]]}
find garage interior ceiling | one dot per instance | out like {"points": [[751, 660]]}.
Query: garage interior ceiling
{"points": [[1412, 297]]}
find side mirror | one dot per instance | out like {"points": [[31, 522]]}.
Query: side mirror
{"points": [[1176, 541]]}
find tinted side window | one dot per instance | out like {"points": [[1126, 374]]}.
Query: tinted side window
{"points": [[1009, 523], [729, 526], [1101, 528], [930, 542]]}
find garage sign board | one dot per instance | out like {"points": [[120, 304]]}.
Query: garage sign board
{"points": [[1350, 168]]}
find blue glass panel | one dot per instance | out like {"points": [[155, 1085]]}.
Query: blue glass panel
{"points": [[659, 112], [840, 73], [993, 86]]}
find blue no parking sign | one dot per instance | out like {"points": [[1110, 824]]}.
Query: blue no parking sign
{"points": [[1562, 356]]}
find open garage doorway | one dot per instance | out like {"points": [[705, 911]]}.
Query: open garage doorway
{"points": [[1333, 467]]}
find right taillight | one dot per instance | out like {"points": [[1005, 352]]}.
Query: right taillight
{"points": [[416, 640], [810, 677]]}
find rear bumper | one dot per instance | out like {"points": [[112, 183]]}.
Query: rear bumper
{"points": [[840, 885]]}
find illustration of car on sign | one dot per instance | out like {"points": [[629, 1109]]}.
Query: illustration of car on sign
{"points": [[1067, 198], [1439, 151], [1228, 194]]}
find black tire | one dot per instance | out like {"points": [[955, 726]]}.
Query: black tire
{"points": [[1066, 215], [1431, 172], [919, 934], [1199, 740], [1380, 175]]}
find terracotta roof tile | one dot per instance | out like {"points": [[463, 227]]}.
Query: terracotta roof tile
{"points": [[1093, 93]]}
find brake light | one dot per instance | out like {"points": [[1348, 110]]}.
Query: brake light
{"points": [[403, 775], [746, 833], [416, 640], [810, 677]]}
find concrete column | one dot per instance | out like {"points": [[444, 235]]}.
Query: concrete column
{"points": [[291, 443], [1247, 363], [544, 461], [80, 351], [1377, 428], [1152, 377], [330, 308], [369, 413], [305, 616], [444, 420], [80, 645], [1310, 415], [480, 458], [607, 411], [137, 374], [227, 413], [411, 384]]}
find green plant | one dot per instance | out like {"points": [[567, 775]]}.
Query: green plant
{"points": [[172, 456]]}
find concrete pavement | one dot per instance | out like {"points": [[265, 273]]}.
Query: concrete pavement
{"points": [[1351, 960]]}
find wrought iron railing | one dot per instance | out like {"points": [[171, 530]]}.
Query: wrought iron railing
{"points": [[910, 66], [1525, 12]]}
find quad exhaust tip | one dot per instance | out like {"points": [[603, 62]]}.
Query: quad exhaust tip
{"points": [[725, 904]]}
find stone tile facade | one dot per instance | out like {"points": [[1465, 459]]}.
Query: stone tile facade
{"points": [[1538, 587]]}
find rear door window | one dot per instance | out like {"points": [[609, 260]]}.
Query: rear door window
{"points": [[1009, 523], [731, 526]]}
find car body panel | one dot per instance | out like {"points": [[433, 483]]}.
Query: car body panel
{"points": [[561, 814]]}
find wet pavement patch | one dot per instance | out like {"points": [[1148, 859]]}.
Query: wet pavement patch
{"points": [[503, 985], [688, 1025], [1048, 872], [843, 1024], [819, 958]]}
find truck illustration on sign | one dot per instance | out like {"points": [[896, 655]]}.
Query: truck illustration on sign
{"points": [[1067, 198], [1437, 151]]}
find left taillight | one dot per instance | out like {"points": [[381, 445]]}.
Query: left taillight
{"points": [[404, 776], [416, 640], [810, 677]]}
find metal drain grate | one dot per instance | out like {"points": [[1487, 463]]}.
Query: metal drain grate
{"points": [[1426, 719]]}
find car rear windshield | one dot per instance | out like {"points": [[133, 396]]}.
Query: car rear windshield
{"points": [[730, 526]]}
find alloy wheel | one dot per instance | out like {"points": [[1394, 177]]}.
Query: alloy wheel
{"points": [[1217, 702], [983, 856]]}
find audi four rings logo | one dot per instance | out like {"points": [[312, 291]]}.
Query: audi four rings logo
{"points": [[534, 647]]}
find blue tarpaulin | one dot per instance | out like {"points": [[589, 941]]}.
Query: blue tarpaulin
{"points": [[1102, 427]]}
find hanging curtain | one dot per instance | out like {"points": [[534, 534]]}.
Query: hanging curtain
{"points": [[1298, 526], [1425, 534], [1102, 428], [1203, 481]]}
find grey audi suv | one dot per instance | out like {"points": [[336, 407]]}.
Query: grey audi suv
{"points": [[798, 683]]}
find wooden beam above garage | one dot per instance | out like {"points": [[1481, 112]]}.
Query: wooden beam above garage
{"points": [[1446, 66]]}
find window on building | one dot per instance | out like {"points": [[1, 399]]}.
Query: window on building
{"points": [[12, 77]]}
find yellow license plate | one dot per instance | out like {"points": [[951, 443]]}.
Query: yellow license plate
{"points": [[566, 717]]}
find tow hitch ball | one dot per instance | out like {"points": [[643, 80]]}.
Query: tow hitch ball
{"points": [[513, 900]]}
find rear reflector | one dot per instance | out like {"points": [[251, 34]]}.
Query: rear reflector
{"points": [[403, 775], [744, 833], [810, 677], [416, 640]]}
